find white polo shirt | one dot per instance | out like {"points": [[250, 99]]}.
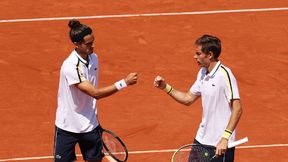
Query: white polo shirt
{"points": [[76, 111], [216, 89]]}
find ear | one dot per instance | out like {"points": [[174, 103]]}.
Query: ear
{"points": [[211, 55], [76, 44]]}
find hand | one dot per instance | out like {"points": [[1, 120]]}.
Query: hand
{"points": [[159, 82], [221, 147], [131, 78]]}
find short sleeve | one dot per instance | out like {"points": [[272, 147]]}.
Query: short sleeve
{"points": [[231, 88], [73, 73]]}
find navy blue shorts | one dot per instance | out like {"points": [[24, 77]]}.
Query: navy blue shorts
{"points": [[90, 144], [227, 157]]}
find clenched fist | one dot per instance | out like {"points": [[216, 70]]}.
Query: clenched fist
{"points": [[159, 82], [131, 78]]}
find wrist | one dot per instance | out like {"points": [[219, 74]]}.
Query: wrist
{"points": [[168, 88], [227, 134], [120, 84]]}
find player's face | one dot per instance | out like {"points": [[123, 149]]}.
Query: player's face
{"points": [[87, 45], [201, 58]]}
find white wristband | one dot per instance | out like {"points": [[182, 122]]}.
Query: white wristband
{"points": [[120, 84]]}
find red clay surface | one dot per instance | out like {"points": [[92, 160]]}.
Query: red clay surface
{"points": [[254, 47]]}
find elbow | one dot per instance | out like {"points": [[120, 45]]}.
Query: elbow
{"points": [[99, 96], [237, 108], [186, 103], [96, 95], [240, 112], [189, 99]]}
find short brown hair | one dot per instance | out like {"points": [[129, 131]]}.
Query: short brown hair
{"points": [[209, 43]]}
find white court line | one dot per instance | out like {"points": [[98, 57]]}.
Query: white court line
{"points": [[147, 15], [110, 158], [141, 152]]}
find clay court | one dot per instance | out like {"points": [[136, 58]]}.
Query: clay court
{"points": [[151, 38]]}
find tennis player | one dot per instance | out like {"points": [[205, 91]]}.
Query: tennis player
{"points": [[76, 116], [218, 89]]}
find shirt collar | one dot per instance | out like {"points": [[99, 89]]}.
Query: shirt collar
{"points": [[81, 59], [213, 71]]}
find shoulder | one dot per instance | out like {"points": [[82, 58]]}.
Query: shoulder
{"points": [[225, 70], [71, 61], [225, 67], [226, 73]]}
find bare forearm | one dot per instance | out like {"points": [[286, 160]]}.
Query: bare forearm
{"points": [[234, 119], [104, 92], [99, 93], [235, 115], [183, 98], [94, 92]]}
